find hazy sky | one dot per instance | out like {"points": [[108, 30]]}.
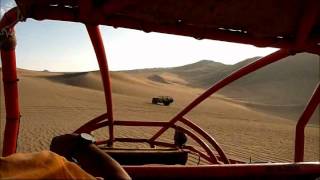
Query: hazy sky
{"points": [[65, 46]]}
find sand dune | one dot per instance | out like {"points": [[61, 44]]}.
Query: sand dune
{"points": [[288, 82], [56, 103]]}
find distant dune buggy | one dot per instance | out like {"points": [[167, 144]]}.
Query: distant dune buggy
{"points": [[165, 100]]}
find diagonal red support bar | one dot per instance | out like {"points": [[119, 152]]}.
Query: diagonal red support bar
{"points": [[303, 120], [276, 56], [97, 43]]}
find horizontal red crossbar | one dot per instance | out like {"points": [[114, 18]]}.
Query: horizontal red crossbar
{"points": [[256, 171]]}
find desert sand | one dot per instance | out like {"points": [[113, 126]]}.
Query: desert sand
{"points": [[58, 103]]}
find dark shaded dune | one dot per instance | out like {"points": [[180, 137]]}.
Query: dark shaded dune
{"points": [[289, 82], [293, 77], [83, 79], [157, 78], [200, 66], [121, 83], [202, 73], [31, 73], [92, 80]]}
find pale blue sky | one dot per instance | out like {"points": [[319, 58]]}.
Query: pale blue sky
{"points": [[65, 46]]}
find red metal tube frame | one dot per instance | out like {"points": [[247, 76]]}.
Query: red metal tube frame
{"points": [[10, 83], [11, 101], [97, 43], [303, 120], [306, 26], [96, 124]]}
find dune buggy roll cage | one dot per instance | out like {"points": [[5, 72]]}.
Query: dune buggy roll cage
{"points": [[92, 15]]}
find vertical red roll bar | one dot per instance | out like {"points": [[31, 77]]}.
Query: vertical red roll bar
{"points": [[9, 77], [303, 120], [97, 43], [10, 84]]}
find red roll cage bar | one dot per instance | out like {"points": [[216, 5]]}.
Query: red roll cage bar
{"points": [[306, 39]]}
